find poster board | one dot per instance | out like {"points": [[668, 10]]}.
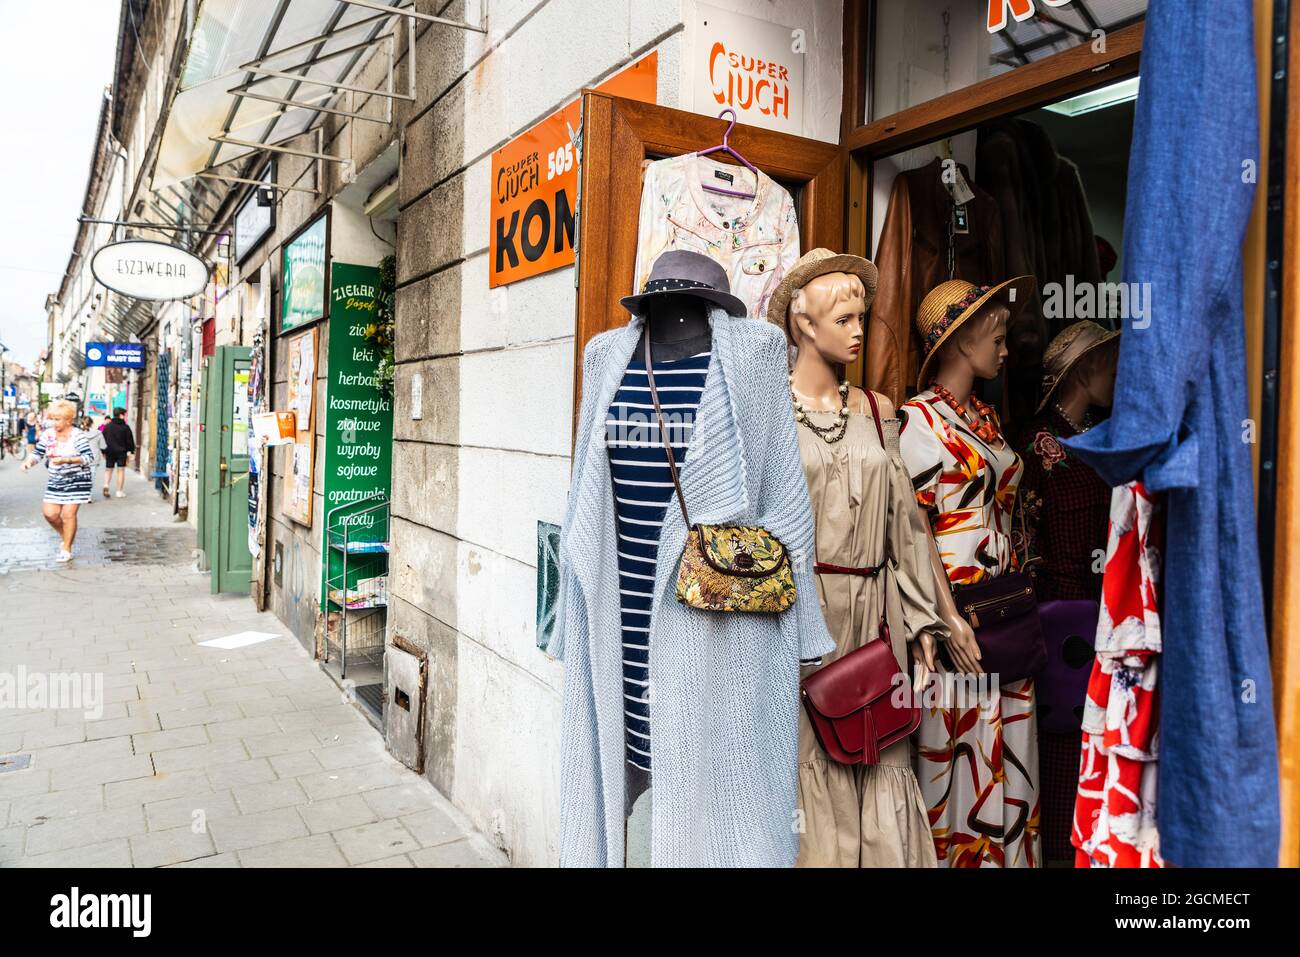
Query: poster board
{"points": [[253, 221], [298, 461], [303, 275]]}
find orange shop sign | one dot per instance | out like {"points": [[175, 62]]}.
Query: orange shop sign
{"points": [[535, 185]]}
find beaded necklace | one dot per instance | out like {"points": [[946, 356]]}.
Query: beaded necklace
{"points": [[1079, 427], [983, 423], [830, 434]]}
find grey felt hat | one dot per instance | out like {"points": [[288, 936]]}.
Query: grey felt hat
{"points": [[682, 272]]}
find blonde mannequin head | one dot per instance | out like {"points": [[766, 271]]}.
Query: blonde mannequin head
{"points": [[827, 315]]}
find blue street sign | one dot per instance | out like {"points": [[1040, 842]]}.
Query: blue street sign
{"points": [[115, 355]]}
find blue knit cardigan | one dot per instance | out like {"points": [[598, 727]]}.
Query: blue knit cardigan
{"points": [[723, 687]]}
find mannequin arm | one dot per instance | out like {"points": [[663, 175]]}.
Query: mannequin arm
{"points": [[962, 649]]}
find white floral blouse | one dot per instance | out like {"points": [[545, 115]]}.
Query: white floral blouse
{"points": [[754, 240]]}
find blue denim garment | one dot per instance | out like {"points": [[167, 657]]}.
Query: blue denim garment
{"points": [[1179, 424]]}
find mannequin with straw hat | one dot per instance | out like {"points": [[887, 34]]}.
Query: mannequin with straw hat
{"points": [[983, 813], [871, 562], [1067, 511]]}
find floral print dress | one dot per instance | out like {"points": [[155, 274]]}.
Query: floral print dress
{"points": [[755, 240], [977, 751]]}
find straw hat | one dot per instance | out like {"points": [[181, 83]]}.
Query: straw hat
{"points": [[814, 263], [1071, 344], [949, 304]]}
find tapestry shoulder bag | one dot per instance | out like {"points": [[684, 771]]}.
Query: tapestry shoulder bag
{"points": [[725, 567]]}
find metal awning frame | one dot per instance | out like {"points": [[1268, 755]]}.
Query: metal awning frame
{"points": [[315, 190], [316, 154], [264, 74], [258, 66], [413, 15], [319, 153], [384, 27]]}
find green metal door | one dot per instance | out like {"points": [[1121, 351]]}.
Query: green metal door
{"points": [[225, 471]]}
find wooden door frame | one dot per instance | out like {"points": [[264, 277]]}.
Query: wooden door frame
{"points": [[1286, 586], [617, 136]]}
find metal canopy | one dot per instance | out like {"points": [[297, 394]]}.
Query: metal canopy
{"points": [[260, 72]]}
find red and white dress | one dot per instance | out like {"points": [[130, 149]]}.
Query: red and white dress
{"points": [[1115, 811]]}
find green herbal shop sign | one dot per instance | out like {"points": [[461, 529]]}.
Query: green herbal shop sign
{"points": [[358, 428]]}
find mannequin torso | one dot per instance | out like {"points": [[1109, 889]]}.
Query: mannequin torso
{"points": [[864, 520], [678, 327]]}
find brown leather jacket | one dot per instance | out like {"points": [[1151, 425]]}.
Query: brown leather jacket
{"points": [[913, 259]]}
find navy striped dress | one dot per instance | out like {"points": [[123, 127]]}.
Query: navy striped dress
{"points": [[643, 489], [68, 483]]}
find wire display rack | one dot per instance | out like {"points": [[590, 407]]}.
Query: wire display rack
{"points": [[357, 536]]}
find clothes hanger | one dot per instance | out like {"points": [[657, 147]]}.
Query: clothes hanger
{"points": [[725, 147]]}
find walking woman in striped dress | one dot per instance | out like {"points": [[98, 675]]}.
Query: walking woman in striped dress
{"points": [[68, 455]]}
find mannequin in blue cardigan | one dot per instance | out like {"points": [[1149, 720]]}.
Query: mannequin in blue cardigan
{"points": [[725, 696]]}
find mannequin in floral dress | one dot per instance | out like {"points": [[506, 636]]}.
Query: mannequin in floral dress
{"points": [[977, 757]]}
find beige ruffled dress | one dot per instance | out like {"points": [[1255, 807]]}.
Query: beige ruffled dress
{"points": [[865, 512]]}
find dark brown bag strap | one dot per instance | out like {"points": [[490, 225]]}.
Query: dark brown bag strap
{"points": [[880, 431], [663, 428], [875, 416]]}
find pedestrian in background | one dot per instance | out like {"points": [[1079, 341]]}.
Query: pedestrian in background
{"points": [[32, 427], [68, 454], [119, 442], [87, 425]]}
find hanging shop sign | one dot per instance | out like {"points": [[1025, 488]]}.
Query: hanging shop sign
{"points": [[302, 298], [535, 184], [115, 355], [255, 217], [150, 270], [358, 436], [753, 66]]}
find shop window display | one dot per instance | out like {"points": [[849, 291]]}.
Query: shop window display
{"points": [[989, 320]]}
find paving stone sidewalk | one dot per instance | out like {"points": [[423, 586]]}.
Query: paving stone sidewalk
{"points": [[201, 757]]}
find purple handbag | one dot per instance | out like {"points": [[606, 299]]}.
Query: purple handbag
{"points": [[1003, 612], [1069, 632]]}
